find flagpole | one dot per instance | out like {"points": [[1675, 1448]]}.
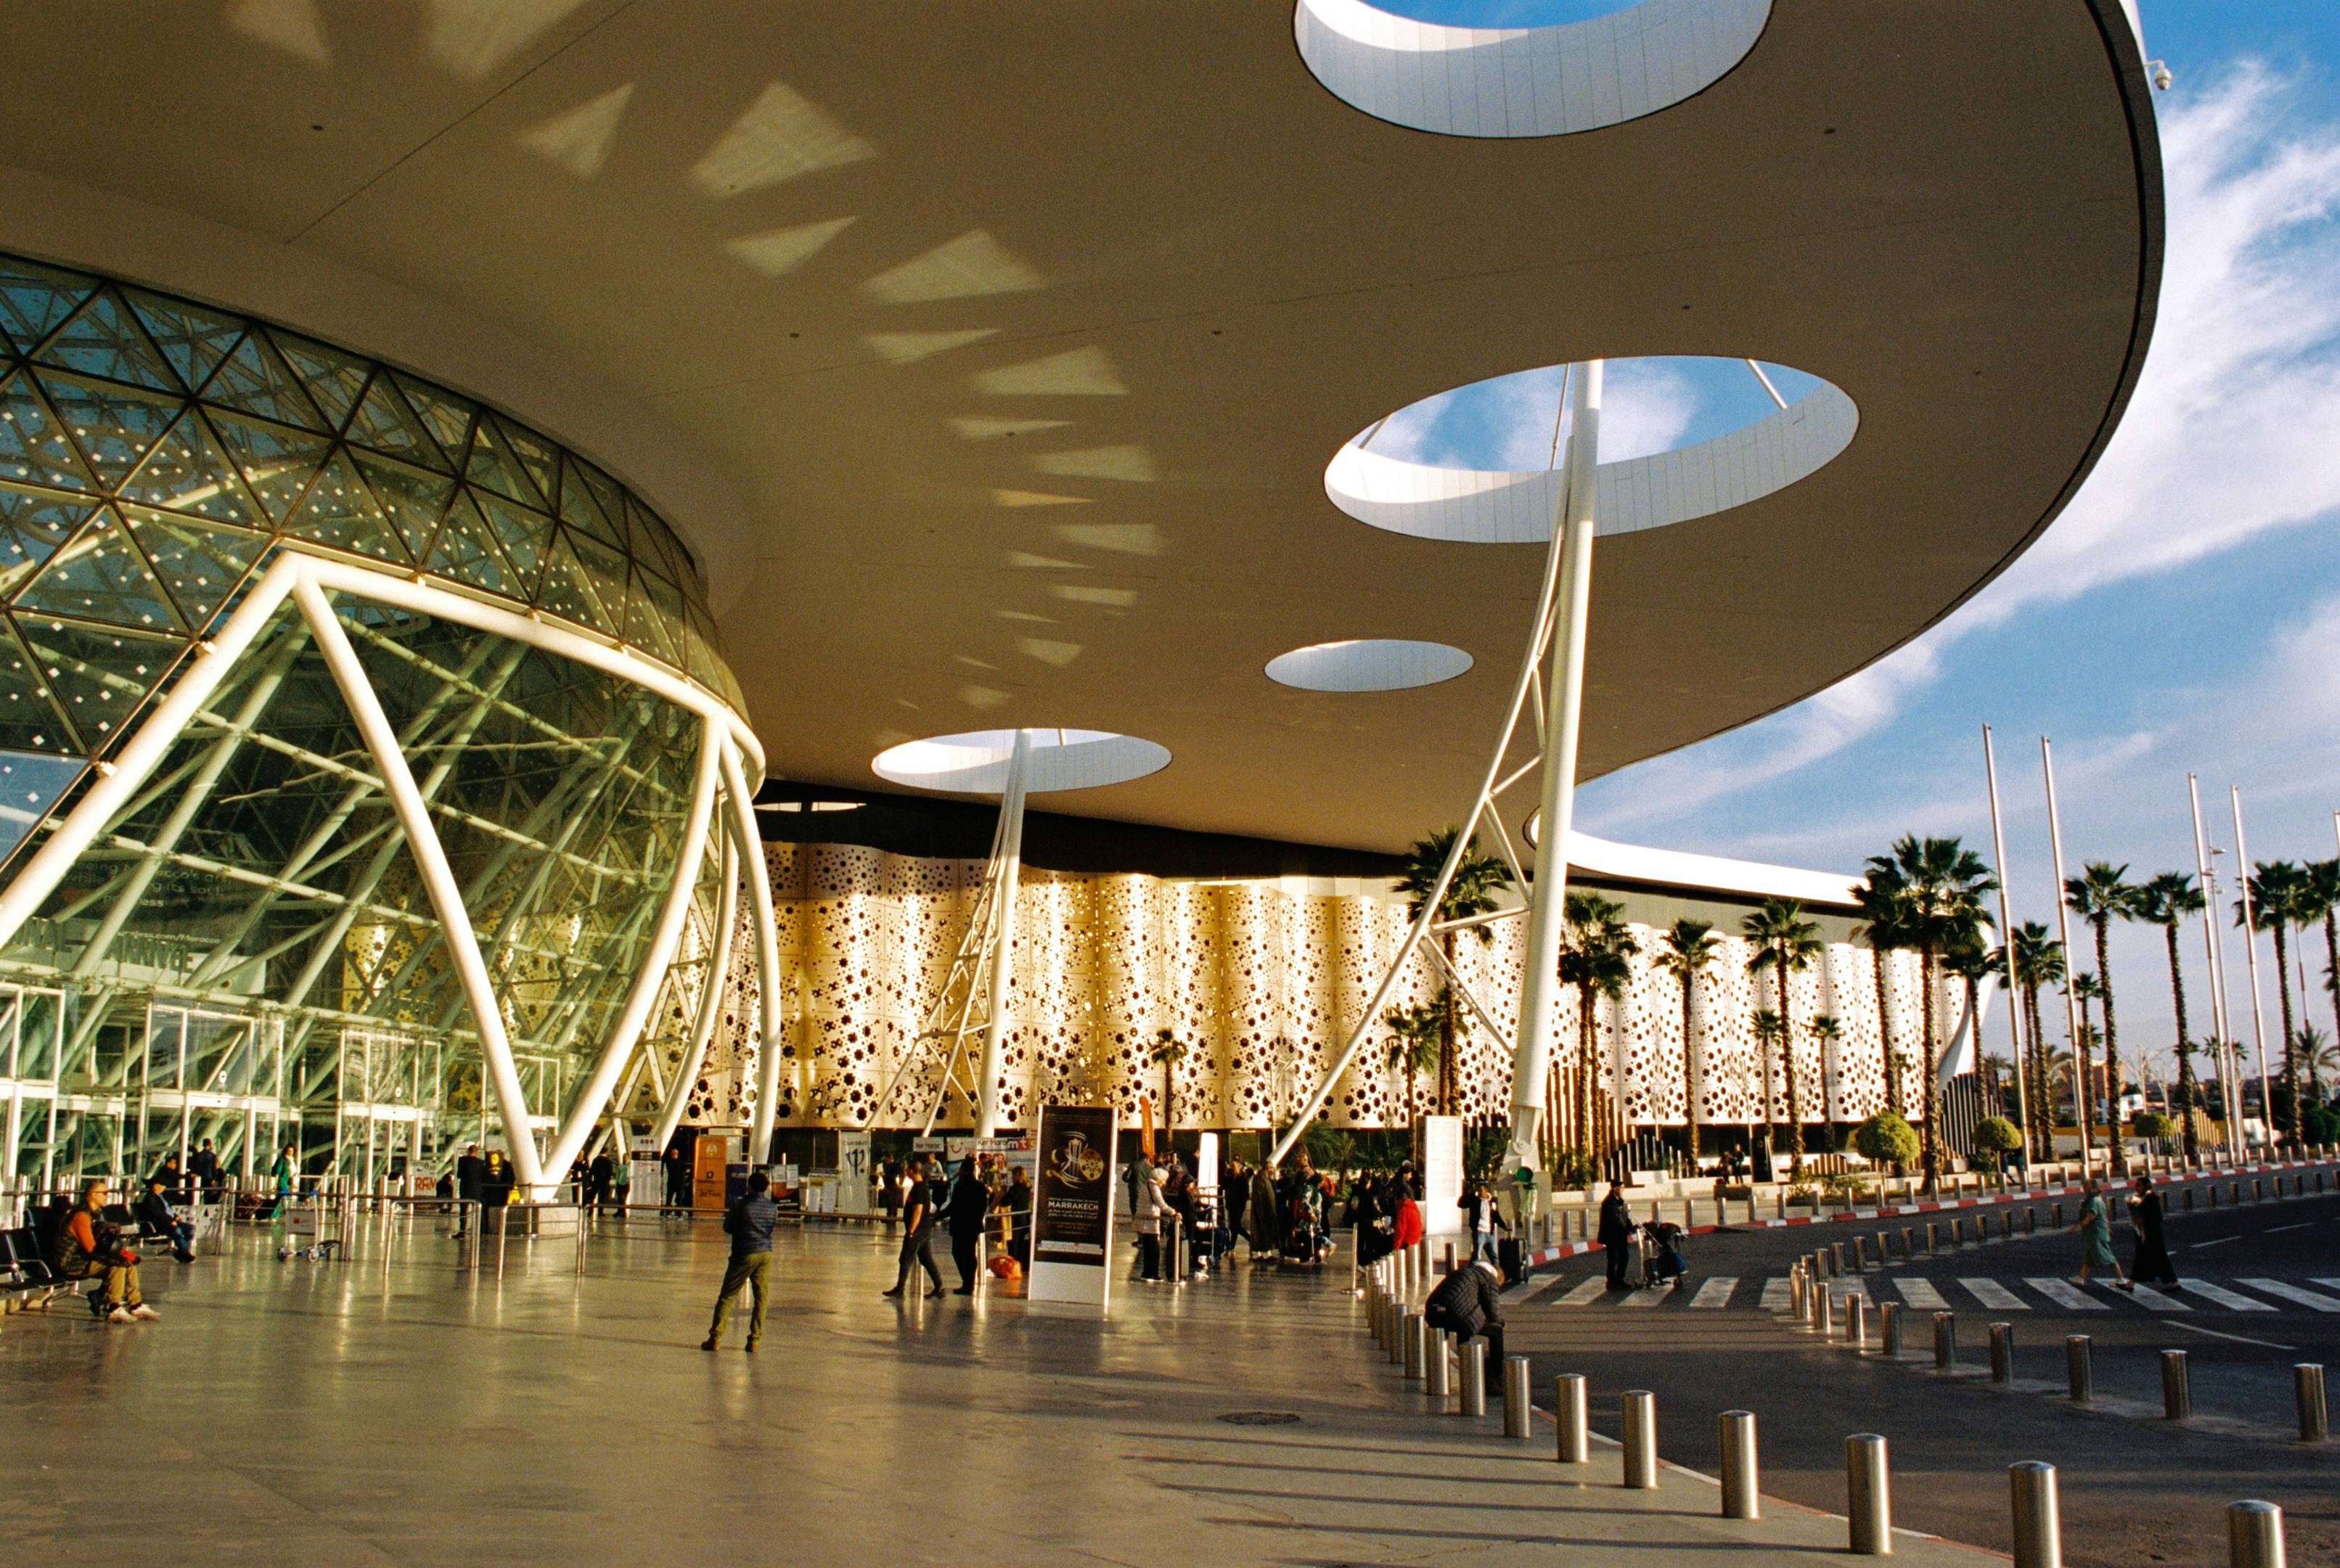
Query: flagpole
{"points": [[2007, 946], [2222, 1037], [2251, 958], [2064, 936]]}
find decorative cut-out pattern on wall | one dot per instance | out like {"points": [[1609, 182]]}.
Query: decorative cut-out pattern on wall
{"points": [[1260, 982]]}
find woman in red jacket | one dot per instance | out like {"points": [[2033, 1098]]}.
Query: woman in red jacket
{"points": [[1407, 1229], [90, 1246]]}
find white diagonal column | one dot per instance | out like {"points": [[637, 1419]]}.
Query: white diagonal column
{"points": [[768, 960], [1563, 722], [1003, 953], [438, 878], [710, 988]]}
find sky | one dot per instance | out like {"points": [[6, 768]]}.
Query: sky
{"points": [[2182, 615]]}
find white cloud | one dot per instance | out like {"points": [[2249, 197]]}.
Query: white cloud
{"points": [[1646, 407], [1508, 422]]}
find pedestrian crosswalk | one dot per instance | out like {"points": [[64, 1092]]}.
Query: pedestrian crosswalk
{"points": [[1965, 1292]]}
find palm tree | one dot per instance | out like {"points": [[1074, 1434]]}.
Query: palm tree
{"points": [[1942, 883], [1784, 942], [1826, 1033], [2278, 901], [2320, 1057], [2320, 891], [1884, 907], [2033, 959], [1994, 1069], [1768, 1029], [1414, 1050], [2101, 894], [1167, 1053], [2085, 988], [1968, 961], [1691, 946], [1596, 962], [1469, 891], [2167, 899]]}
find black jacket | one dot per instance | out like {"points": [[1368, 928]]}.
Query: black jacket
{"points": [[1468, 1300], [1616, 1224], [969, 1201], [467, 1171], [749, 1225]]}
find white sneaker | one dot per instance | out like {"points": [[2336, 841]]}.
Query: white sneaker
{"points": [[144, 1311], [120, 1314]]}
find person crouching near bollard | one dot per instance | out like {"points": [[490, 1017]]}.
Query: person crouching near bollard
{"points": [[749, 1225], [1468, 1302]]}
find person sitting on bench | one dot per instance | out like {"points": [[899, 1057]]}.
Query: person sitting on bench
{"points": [[89, 1246], [157, 1219]]}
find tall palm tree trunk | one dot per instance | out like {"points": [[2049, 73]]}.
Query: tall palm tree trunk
{"points": [[2185, 1046], [1788, 1075], [2116, 1151], [2290, 1122], [1689, 1083], [1449, 1027], [2331, 965], [1933, 1142], [2043, 1091], [1884, 1029]]}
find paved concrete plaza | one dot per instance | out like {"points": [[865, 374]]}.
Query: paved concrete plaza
{"points": [[313, 1412]]}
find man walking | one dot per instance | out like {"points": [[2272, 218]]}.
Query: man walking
{"points": [[917, 1230], [469, 1168], [749, 1223], [1616, 1236]]}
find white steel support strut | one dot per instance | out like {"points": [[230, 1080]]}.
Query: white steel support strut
{"points": [[768, 960], [1482, 809], [1003, 954], [413, 815], [651, 975], [710, 989], [1563, 726]]}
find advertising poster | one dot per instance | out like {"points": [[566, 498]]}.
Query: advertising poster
{"points": [[1442, 1175], [853, 1170], [1072, 1210]]}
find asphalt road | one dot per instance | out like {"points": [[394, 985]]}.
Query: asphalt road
{"points": [[2135, 1487]]}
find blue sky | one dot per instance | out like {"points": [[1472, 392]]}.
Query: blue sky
{"points": [[2182, 615]]}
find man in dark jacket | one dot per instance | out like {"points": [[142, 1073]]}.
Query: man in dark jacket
{"points": [[1617, 1236], [469, 1168], [601, 1180], [749, 1225], [1467, 1302], [917, 1230], [969, 1206], [157, 1219]]}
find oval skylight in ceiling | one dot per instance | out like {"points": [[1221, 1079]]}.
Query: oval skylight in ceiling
{"points": [[1543, 81], [1681, 438], [976, 761], [1368, 664]]}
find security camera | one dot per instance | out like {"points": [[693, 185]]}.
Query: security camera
{"points": [[2161, 77]]}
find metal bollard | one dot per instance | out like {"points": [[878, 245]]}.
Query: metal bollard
{"points": [[1860, 1251], [1516, 1413], [1571, 1401], [2079, 1373], [1417, 1344], [1827, 1313], [503, 1225], [1393, 1323], [1856, 1322], [1933, 1238], [2176, 1392], [1741, 1498], [1946, 1341], [1957, 1234], [2210, 1191], [1836, 1258], [1891, 1313], [2056, 1217], [2258, 1190], [1869, 1504], [1640, 1433], [1799, 1293], [2038, 1523], [1450, 1258], [584, 1230], [1474, 1377], [2185, 1201], [1440, 1376], [2030, 1220], [2315, 1417], [2234, 1194], [2002, 1353], [2253, 1536]]}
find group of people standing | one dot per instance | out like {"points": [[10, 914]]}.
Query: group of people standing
{"points": [[915, 1194]]}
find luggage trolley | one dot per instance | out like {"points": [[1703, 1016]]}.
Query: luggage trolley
{"points": [[305, 1231]]}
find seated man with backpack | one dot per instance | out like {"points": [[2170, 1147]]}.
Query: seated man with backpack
{"points": [[1467, 1303], [89, 1246]]}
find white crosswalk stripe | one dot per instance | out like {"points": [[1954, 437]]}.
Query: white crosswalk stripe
{"points": [[1779, 1295], [2152, 1300], [2281, 1292], [2226, 1297], [1994, 1294], [1921, 1293], [1646, 1297], [1543, 1287], [2064, 1293], [1715, 1294], [2334, 1283], [1586, 1290], [1850, 1287]]}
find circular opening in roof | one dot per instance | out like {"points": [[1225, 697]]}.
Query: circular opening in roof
{"points": [[976, 762], [1546, 67], [1368, 664], [1681, 438]]}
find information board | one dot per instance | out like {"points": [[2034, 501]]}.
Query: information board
{"points": [[1442, 1175], [1072, 1208]]}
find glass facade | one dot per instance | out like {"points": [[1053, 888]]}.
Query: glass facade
{"points": [[247, 952]]}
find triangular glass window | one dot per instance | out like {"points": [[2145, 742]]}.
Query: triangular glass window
{"points": [[29, 720], [494, 465], [200, 563], [275, 460], [466, 551], [607, 569], [334, 379], [524, 536], [255, 379], [607, 493], [33, 299], [386, 424], [32, 527], [116, 426], [536, 455], [30, 784], [568, 590], [189, 473], [647, 620], [413, 500], [104, 339], [100, 576], [655, 544], [100, 676], [580, 510], [33, 449], [342, 512], [193, 339], [447, 416]]}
